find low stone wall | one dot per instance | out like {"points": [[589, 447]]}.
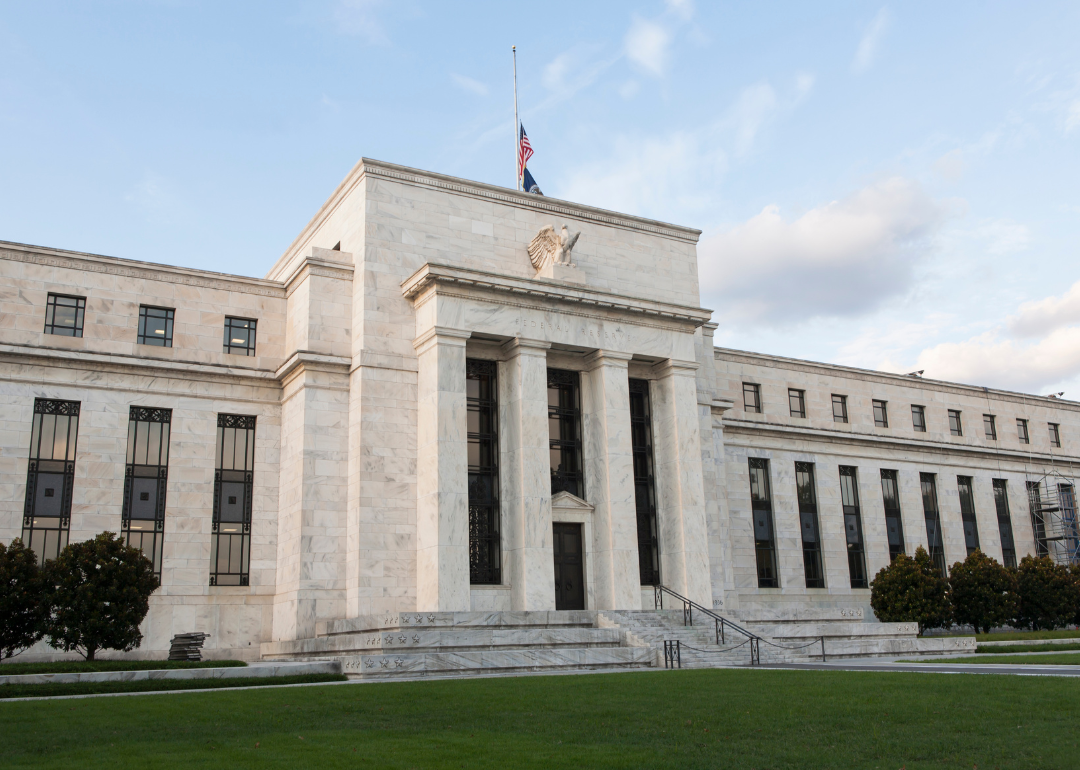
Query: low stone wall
{"points": [[254, 671]]}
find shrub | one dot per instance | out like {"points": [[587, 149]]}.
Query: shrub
{"points": [[100, 591], [983, 592], [23, 606], [1075, 570], [910, 589], [1047, 594]]}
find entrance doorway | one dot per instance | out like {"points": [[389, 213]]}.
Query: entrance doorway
{"points": [[569, 568]]}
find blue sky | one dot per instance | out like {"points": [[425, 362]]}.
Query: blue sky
{"points": [[888, 186]]}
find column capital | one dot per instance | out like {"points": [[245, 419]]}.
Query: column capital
{"points": [[673, 366], [440, 335], [526, 346], [607, 358]]}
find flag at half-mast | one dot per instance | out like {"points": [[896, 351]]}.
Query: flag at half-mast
{"points": [[525, 151]]}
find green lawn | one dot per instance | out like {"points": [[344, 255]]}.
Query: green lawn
{"points": [[684, 719], [1049, 659], [1009, 648], [84, 667]]}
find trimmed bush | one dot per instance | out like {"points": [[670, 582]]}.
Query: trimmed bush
{"points": [[983, 592], [23, 608], [911, 590], [100, 592], [1047, 594]]}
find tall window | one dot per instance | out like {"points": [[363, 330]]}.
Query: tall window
{"points": [[240, 336], [967, 513], [894, 526], [751, 396], [1055, 434], [564, 432], [1038, 523], [849, 497], [1071, 533], [990, 426], [808, 518], [64, 315], [918, 418], [50, 477], [156, 326], [764, 542], [881, 414], [644, 486], [230, 551], [955, 427], [1001, 502], [933, 521], [482, 418], [839, 408], [1022, 431], [143, 518], [797, 402]]}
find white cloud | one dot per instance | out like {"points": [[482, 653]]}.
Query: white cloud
{"points": [[468, 84], [684, 9], [647, 44], [1047, 315], [629, 89], [571, 71], [870, 42], [358, 17], [841, 259]]}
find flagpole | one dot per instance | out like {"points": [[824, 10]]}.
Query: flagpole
{"points": [[517, 139]]}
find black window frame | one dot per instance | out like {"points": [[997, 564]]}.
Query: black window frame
{"points": [[918, 418], [809, 525], [761, 523], [894, 520], [853, 531], [841, 401], [932, 516], [165, 341], [234, 534], [1005, 529], [965, 488], [754, 389], [800, 397], [482, 408], [990, 427], [1054, 429], [237, 349], [648, 532], [564, 411], [51, 327], [1023, 435], [881, 413], [1038, 522], [956, 424], [47, 535], [146, 478]]}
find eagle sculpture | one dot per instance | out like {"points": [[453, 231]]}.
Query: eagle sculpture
{"points": [[547, 247]]}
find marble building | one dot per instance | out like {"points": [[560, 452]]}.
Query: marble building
{"points": [[451, 396]]}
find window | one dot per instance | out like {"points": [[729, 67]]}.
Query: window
{"points": [[751, 396], [839, 408], [894, 526], [1022, 431], [145, 479], [955, 427], [808, 518], [564, 432], [881, 414], [230, 551], [918, 418], [1038, 522], [990, 426], [1055, 434], [155, 326], [764, 542], [797, 402], [482, 421], [240, 336], [928, 482], [1001, 502], [849, 497], [64, 315], [50, 477], [967, 514], [644, 486]]}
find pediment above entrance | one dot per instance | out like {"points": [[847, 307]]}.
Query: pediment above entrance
{"points": [[565, 501]]}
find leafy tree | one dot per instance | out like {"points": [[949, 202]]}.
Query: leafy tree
{"points": [[23, 606], [1047, 594], [983, 592], [100, 591], [911, 589], [1075, 570]]}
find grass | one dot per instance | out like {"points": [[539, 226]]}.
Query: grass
{"points": [[686, 719], [1010, 636], [1007, 648], [155, 685], [1049, 659], [86, 667]]}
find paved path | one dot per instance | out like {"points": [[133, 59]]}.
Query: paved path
{"points": [[933, 668]]}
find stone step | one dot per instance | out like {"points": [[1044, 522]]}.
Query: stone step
{"points": [[472, 663], [414, 620]]}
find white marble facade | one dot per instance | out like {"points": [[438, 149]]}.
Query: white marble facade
{"points": [[358, 384]]}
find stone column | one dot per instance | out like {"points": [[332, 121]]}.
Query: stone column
{"points": [[684, 556], [442, 493], [525, 476], [609, 481]]}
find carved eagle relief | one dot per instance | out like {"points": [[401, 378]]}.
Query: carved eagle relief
{"points": [[548, 247]]}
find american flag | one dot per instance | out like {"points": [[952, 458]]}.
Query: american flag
{"points": [[525, 150]]}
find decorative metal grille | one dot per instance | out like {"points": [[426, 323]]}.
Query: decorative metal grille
{"points": [[50, 477], [644, 483], [761, 509], [805, 488], [1001, 502], [564, 432], [894, 525], [849, 498], [230, 552], [145, 481], [481, 398]]}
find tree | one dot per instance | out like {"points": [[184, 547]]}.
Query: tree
{"points": [[1047, 594], [23, 606], [983, 592], [1075, 570], [911, 590], [100, 591]]}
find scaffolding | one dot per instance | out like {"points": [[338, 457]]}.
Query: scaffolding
{"points": [[1052, 501]]}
